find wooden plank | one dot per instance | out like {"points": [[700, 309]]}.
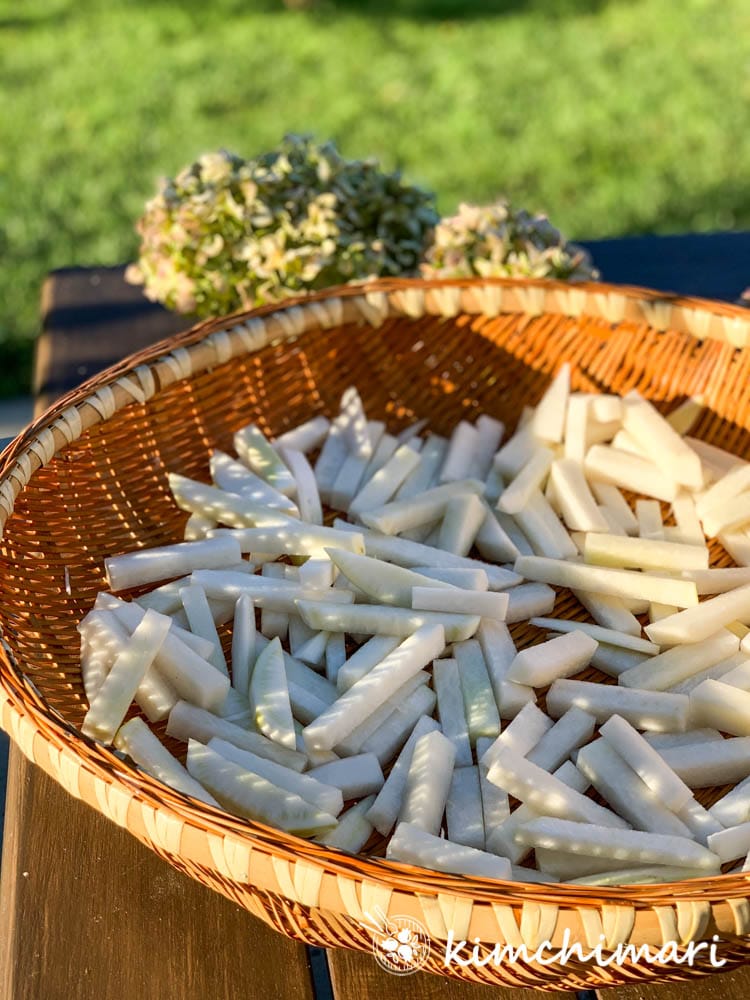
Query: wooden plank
{"points": [[86, 911], [721, 986]]}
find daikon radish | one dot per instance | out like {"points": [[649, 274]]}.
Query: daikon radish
{"points": [[186, 721], [732, 843], [304, 704], [353, 829], [495, 800], [355, 426], [734, 807], [571, 731], [698, 820], [367, 619], [466, 579], [492, 541], [364, 659], [388, 739], [258, 454], [731, 485], [386, 481], [537, 666], [548, 421], [266, 592], [166, 599], [386, 447], [647, 763], [655, 711], [428, 783], [461, 522], [356, 469], [657, 438], [544, 529], [682, 417], [247, 794], [400, 515], [598, 633], [384, 582], [545, 793], [717, 672], [499, 652], [314, 650], [269, 696], [385, 809], [130, 613], [528, 600], [532, 476], [133, 569], [136, 740], [424, 475], [516, 452], [305, 437], [576, 426], [370, 691], [413, 846], [706, 764], [197, 527], [643, 553], [657, 611], [353, 743], [697, 623], [640, 875], [202, 623], [727, 708], [227, 508], [459, 457], [522, 735], [297, 539], [577, 504], [332, 456], [620, 468], [680, 662], [610, 497], [728, 514], [614, 660], [633, 846], [718, 581], [489, 435], [335, 655], [716, 461], [739, 673], [617, 582], [481, 712], [308, 497], [317, 571], [514, 533], [355, 776], [661, 741], [450, 708], [737, 544], [463, 809], [624, 441], [613, 525], [234, 477], [688, 528], [326, 796], [470, 602]]}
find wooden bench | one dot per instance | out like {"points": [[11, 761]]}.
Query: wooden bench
{"points": [[87, 912]]}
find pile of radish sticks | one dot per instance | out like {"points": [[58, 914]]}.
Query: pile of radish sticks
{"points": [[373, 686]]}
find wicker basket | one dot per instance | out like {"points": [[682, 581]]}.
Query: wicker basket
{"points": [[89, 479]]}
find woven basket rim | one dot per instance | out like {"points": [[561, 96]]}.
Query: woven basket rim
{"points": [[19, 690]]}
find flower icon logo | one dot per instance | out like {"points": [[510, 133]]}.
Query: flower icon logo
{"points": [[401, 945]]}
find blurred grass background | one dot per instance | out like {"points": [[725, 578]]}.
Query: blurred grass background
{"points": [[619, 117]]}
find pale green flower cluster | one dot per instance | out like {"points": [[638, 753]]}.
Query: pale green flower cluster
{"points": [[230, 233], [500, 241]]}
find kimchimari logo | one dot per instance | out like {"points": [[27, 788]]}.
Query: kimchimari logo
{"points": [[401, 945]]}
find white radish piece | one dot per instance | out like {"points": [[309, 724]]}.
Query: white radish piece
{"points": [[731, 485], [495, 801], [353, 829], [562, 656], [355, 469], [609, 496], [492, 541], [571, 731], [617, 582], [706, 764], [314, 650], [544, 529], [528, 600], [614, 660], [385, 447], [197, 527], [385, 809], [364, 659], [226, 508], [428, 783], [466, 579], [577, 504], [332, 456], [400, 515], [386, 481], [643, 553], [463, 809], [659, 440], [688, 528], [717, 581], [620, 468], [234, 477], [469, 602], [166, 599], [499, 652], [598, 633], [325, 796], [269, 696], [647, 763], [136, 740], [367, 619], [713, 703], [388, 739], [660, 741], [413, 846], [134, 569], [531, 478], [304, 704], [297, 539], [261, 457], [658, 611], [366, 730], [548, 421], [655, 711], [424, 475], [459, 456], [680, 662], [697, 623], [463, 517], [634, 846], [247, 794], [682, 417], [382, 581], [514, 533], [725, 516], [482, 717], [737, 544], [305, 437], [355, 776], [202, 623], [450, 709], [266, 592], [732, 843], [734, 807], [650, 524], [355, 424], [522, 735], [370, 691], [308, 497], [335, 655]]}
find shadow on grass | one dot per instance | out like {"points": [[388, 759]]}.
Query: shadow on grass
{"points": [[451, 10]]}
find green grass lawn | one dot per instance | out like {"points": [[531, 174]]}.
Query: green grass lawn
{"points": [[614, 117]]}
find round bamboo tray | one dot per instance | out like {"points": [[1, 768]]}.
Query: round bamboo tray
{"points": [[89, 479]]}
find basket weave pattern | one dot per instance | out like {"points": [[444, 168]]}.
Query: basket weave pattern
{"points": [[88, 479]]}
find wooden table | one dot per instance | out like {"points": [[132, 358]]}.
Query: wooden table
{"points": [[86, 911]]}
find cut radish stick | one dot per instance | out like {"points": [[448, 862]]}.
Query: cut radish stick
{"points": [[331, 458], [635, 846], [202, 623], [725, 516], [481, 712], [305, 705], [400, 515], [545, 793], [732, 843], [356, 469], [647, 763], [450, 708], [680, 662], [658, 611], [197, 527], [355, 426], [308, 497], [226, 508], [166, 599], [514, 533], [326, 796], [367, 619], [386, 447], [314, 650], [706, 764], [576, 426], [499, 652], [492, 540], [544, 529], [335, 655], [727, 708], [413, 846], [617, 582], [466, 579], [658, 439], [150, 565], [718, 672], [364, 659], [383, 485], [731, 485], [718, 581], [598, 633], [697, 623], [655, 711], [464, 516], [495, 801], [355, 776], [548, 421], [531, 478], [650, 524], [688, 529], [136, 740], [577, 504], [261, 457], [682, 417], [490, 434], [364, 731], [571, 731], [610, 497], [428, 783], [631, 472], [384, 582], [353, 830], [459, 457], [737, 544], [614, 660], [388, 739], [470, 602], [266, 592], [269, 696], [463, 809], [734, 807], [306, 436], [234, 477], [424, 475], [528, 600], [643, 553], [368, 693], [522, 735], [517, 451], [660, 741], [297, 539], [247, 794], [539, 665]]}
